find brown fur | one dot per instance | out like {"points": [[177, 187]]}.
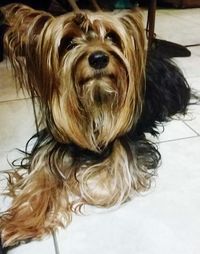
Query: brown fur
{"points": [[89, 108]]}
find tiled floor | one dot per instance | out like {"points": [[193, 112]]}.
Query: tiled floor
{"points": [[166, 220]]}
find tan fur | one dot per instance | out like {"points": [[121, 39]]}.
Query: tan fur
{"points": [[79, 105]]}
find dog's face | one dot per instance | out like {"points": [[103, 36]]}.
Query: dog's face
{"points": [[87, 69]]}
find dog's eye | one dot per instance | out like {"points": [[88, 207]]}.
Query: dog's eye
{"points": [[70, 43], [67, 43], [113, 37]]}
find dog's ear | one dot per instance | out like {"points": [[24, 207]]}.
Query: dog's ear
{"points": [[20, 40], [167, 93], [23, 26], [3, 27], [133, 21], [134, 45], [131, 17]]}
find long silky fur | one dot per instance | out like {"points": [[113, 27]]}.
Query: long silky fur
{"points": [[57, 172], [76, 160], [167, 93]]}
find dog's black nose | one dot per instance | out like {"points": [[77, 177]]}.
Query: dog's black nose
{"points": [[98, 60]]}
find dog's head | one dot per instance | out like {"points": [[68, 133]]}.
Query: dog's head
{"points": [[86, 68]]}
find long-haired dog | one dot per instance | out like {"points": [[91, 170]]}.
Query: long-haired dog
{"points": [[99, 94]]}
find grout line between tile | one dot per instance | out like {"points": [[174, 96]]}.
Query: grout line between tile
{"points": [[198, 134], [175, 15], [178, 139], [35, 114], [15, 100], [55, 241], [193, 45]]}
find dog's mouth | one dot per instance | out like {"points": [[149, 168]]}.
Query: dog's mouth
{"points": [[98, 77], [98, 89]]}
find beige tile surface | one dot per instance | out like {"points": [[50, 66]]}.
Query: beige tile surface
{"points": [[194, 83], [195, 51], [172, 27], [8, 88], [8, 157], [189, 65], [16, 124], [45, 246], [173, 130], [192, 16], [193, 120]]}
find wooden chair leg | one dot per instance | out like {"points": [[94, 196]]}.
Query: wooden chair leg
{"points": [[163, 47], [151, 22]]}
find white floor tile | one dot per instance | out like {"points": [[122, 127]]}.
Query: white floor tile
{"points": [[176, 29], [195, 50], [194, 83], [8, 87], [181, 163], [40, 247], [189, 65], [193, 119], [7, 157], [5, 201], [173, 130], [164, 221], [16, 124], [191, 15]]}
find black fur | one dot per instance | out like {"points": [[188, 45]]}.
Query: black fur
{"points": [[167, 93], [3, 28]]}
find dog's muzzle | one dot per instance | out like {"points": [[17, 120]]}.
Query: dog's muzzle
{"points": [[98, 60]]}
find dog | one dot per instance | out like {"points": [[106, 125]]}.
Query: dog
{"points": [[100, 92]]}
